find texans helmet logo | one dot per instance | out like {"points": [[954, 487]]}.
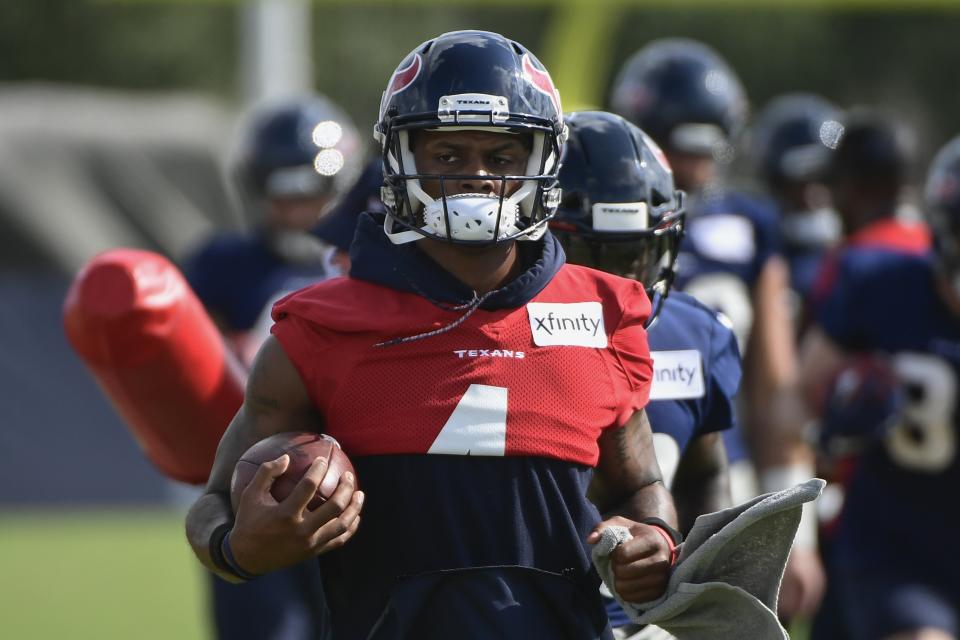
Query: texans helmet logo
{"points": [[657, 153], [402, 78], [540, 79]]}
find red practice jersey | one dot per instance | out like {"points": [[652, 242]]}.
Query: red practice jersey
{"points": [[544, 379]]}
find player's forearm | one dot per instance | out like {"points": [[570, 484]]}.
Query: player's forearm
{"points": [[777, 428], [210, 513], [702, 483], [776, 413], [692, 504], [651, 501], [628, 481]]}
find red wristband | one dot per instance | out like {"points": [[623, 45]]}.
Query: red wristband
{"points": [[666, 536]]}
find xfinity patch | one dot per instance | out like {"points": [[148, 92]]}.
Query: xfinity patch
{"points": [[578, 324], [677, 375]]}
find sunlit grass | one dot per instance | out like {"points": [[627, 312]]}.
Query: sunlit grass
{"points": [[99, 574]]}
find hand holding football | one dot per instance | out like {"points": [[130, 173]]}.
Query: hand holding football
{"points": [[303, 447]]}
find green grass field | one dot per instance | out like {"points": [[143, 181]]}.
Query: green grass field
{"points": [[99, 574], [102, 575]]}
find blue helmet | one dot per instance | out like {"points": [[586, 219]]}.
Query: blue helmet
{"points": [[871, 150], [298, 149], [620, 211], [793, 137], [479, 81], [942, 195], [683, 94]]}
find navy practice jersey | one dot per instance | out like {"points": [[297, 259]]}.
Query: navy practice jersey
{"points": [[696, 374], [866, 245], [901, 490], [729, 239], [804, 266], [235, 276]]}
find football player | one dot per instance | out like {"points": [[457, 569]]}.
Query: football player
{"points": [[866, 175], [791, 140], [621, 213], [474, 379], [689, 100], [905, 306], [296, 156], [294, 159]]}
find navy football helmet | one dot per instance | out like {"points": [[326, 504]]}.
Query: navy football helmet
{"points": [[793, 137], [620, 211], [871, 150], [472, 80], [684, 95], [298, 149], [942, 196]]}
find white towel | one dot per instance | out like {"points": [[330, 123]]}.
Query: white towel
{"points": [[727, 578]]}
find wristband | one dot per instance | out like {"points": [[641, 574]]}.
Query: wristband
{"points": [[671, 535], [235, 568], [215, 546], [218, 553]]}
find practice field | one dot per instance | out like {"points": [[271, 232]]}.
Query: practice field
{"points": [[98, 574], [104, 575]]}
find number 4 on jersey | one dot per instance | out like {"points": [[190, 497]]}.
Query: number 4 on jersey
{"points": [[477, 426]]}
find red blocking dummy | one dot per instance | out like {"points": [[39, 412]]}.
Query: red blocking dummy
{"points": [[148, 341]]}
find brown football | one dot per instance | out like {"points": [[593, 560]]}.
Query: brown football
{"points": [[303, 447]]}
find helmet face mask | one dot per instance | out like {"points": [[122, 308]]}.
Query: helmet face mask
{"points": [[621, 211], [649, 257], [469, 81]]}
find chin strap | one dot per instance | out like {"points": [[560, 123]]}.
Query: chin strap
{"points": [[399, 237]]}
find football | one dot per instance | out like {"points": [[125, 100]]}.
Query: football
{"points": [[303, 447]]}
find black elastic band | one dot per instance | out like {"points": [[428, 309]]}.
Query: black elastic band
{"points": [[222, 555], [675, 535], [215, 547], [228, 556]]}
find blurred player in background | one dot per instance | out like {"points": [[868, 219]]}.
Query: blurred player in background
{"points": [[336, 229], [458, 367], [866, 174], [620, 212], [791, 140], [898, 309], [296, 157], [688, 99], [339, 226]]}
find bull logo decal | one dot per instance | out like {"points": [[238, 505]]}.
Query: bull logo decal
{"points": [[540, 79]]}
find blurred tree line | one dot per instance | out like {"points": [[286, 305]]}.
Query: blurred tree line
{"points": [[898, 58]]}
